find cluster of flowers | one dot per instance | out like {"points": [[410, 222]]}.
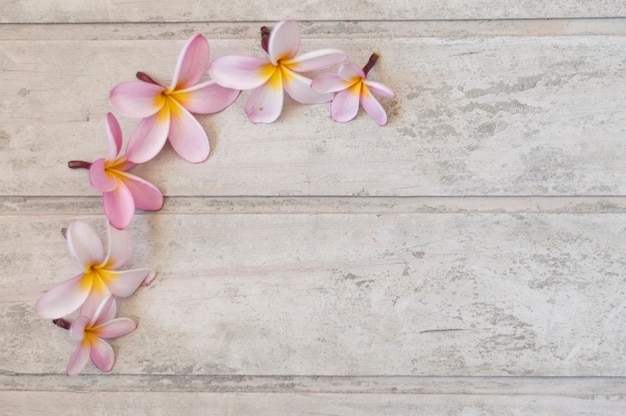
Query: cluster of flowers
{"points": [[166, 114]]}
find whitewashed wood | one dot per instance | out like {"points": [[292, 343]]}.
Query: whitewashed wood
{"points": [[342, 294], [533, 116], [60, 11], [236, 404]]}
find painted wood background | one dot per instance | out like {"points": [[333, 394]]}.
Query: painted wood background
{"points": [[467, 258]]}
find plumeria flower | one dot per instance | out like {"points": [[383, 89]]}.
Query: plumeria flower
{"points": [[100, 277], [354, 89], [121, 191], [166, 111], [280, 70], [90, 332]]}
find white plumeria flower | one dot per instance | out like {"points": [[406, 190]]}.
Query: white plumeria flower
{"points": [[279, 71]]}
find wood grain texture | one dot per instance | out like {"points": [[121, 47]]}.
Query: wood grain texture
{"points": [[111, 11], [343, 294], [474, 116]]}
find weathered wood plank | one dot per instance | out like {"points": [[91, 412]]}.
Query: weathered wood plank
{"points": [[63, 11], [534, 116], [237, 404], [342, 294]]}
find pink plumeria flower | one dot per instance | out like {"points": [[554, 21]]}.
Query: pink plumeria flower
{"points": [[90, 332], [166, 111], [280, 70], [100, 277], [354, 89], [121, 191]]}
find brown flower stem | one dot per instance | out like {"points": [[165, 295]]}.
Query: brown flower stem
{"points": [[78, 164], [370, 64], [62, 323], [265, 38], [142, 76]]}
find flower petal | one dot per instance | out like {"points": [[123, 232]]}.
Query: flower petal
{"points": [[327, 83], [241, 72], [137, 99], [120, 248], [77, 329], [124, 283], [206, 98], [284, 41], [187, 136], [299, 88], [102, 354], [351, 73], [114, 135], [146, 195], [99, 178], [379, 89], [345, 105], [266, 102], [79, 359], [64, 298], [84, 243], [373, 107], [95, 299], [119, 206], [115, 328], [149, 137], [149, 278], [192, 64], [316, 60]]}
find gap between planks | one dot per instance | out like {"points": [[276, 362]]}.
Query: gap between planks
{"points": [[519, 386], [74, 205], [347, 29]]}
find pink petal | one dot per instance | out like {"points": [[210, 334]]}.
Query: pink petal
{"points": [[206, 98], [380, 89], [114, 136], [299, 88], [146, 195], [149, 137], [124, 283], [187, 136], [316, 60], [94, 302], [345, 105], [109, 312], [84, 243], [115, 328], [77, 329], [100, 179], [102, 354], [64, 298], [241, 72], [192, 64], [119, 206], [284, 41], [327, 83], [137, 99], [120, 248], [79, 359], [149, 278], [373, 107], [266, 102], [350, 72]]}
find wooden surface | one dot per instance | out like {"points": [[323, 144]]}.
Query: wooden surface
{"points": [[467, 258]]}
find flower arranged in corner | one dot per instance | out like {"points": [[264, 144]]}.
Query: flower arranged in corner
{"points": [[354, 89], [90, 331], [122, 192], [166, 111], [280, 70], [100, 278]]}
